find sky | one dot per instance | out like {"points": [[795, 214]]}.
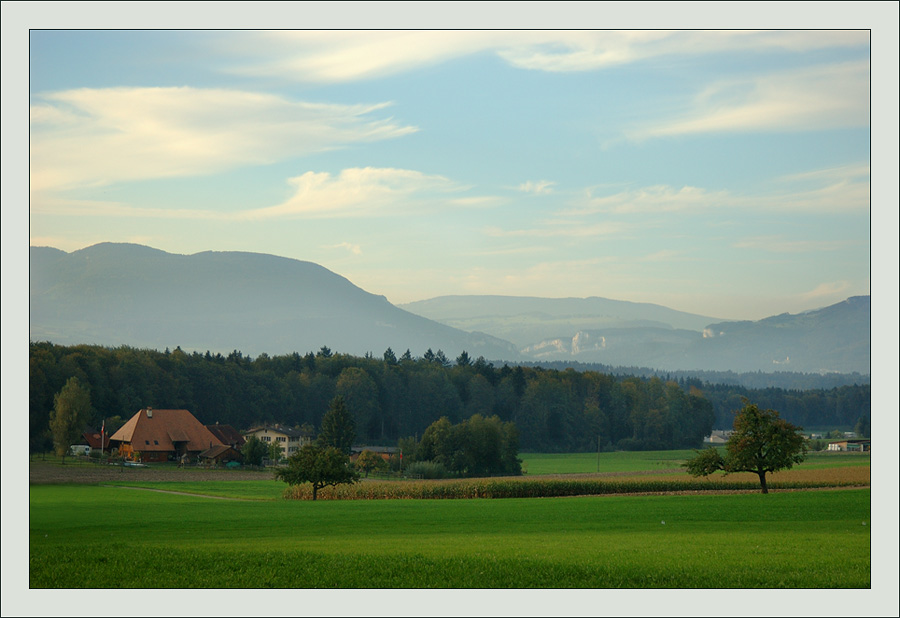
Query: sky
{"points": [[720, 172]]}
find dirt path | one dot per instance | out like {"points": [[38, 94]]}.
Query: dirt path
{"points": [[178, 493]]}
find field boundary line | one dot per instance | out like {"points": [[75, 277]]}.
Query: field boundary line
{"points": [[181, 493]]}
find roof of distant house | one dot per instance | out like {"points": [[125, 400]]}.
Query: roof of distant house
{"points": [[227, 434], [287, 431], [216, 451], [159, 430]]}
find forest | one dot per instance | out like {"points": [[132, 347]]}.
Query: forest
{"points": [[394, 397]]}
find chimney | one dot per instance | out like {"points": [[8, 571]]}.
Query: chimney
{"points": [[149, 412]]}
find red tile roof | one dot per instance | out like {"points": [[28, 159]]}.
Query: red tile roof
{"points": [[158, 430]]}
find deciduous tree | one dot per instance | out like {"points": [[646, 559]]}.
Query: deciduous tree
{"points": [[253, 451], [323, 466], [762, 442], [71, 411], [368, 461]]}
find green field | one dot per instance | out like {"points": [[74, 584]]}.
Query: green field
{"points": [[105, 537]]}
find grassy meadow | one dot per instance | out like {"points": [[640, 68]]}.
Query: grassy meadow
{"points": [[108, 537], [102, 536]]}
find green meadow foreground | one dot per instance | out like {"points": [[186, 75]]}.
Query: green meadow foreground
{"points": [[101, 536]]}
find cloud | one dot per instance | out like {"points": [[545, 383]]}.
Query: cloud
{"points": [[594, 50], [832, 190], [824, 290], [563, 229], [779, 244], [540, 187], [94, 137], [354, 249], [657, 198], [665, 255], [341, 56], [832, 96], [370, 191]]}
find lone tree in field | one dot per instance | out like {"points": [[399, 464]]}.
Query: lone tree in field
{"points": [[323, 466], [71, 411], [762, 442], [338, 428]]}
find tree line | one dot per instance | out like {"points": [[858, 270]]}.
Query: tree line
{"points": [[391, 397]]}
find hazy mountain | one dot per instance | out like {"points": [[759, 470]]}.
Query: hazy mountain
{"points": [[115, 294], [525, 320], [616, 333]]}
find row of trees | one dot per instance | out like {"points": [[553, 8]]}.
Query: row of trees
{"points": [[390, 397], [397, 396]]}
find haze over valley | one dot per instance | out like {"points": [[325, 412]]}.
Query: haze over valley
{"points": [[124, 294]]}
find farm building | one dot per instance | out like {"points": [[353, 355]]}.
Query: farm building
{"points": [[858, 445], [220, 454], [162, 435], [290, 439], [386, 452], [227, 435]]}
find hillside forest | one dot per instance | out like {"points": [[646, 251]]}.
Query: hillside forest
{"points": [[400, 396]]}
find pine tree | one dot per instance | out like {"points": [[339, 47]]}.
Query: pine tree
{"points": [[338, 427]]}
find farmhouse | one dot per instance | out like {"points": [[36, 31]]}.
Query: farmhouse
{"points": [[859, 445], [162, 435], [290, 439], [718, 437]]}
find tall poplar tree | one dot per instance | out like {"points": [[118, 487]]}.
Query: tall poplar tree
{"points": [[71, 411]]}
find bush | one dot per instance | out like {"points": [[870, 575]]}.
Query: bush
{"points": [[428, 470]]}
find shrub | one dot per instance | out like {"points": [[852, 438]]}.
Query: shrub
{"points": [[428, 470]]}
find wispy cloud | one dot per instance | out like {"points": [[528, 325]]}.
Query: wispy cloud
{"points": [[827, 289], [539, 187], [658, 198], [369, 191], [94, 137], [821, 97], [329, 56], [352, 248], [839, 189], [780, 244], [563, 229], [666, 255]]}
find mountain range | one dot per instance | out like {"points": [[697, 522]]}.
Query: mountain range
{"points": [[124, 294]]}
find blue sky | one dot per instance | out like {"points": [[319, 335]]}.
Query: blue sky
{"points": [[724, 173]]}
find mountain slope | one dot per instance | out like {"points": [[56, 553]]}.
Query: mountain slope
{"points": [[115, 294], [617, 333]]}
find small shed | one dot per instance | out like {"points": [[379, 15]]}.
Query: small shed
{"points": [[220, 453]]}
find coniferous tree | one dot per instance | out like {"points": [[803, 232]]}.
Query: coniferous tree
{"points": [[338, 427]]}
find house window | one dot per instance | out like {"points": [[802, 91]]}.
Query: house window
{"points": [[156, 442], [147, 442], [281, 438]]}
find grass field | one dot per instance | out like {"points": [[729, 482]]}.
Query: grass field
{"points": [[105, 537], [95, 535]]}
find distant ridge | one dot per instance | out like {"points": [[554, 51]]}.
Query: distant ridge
{"points": [[833, 339], [126, 294]]}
